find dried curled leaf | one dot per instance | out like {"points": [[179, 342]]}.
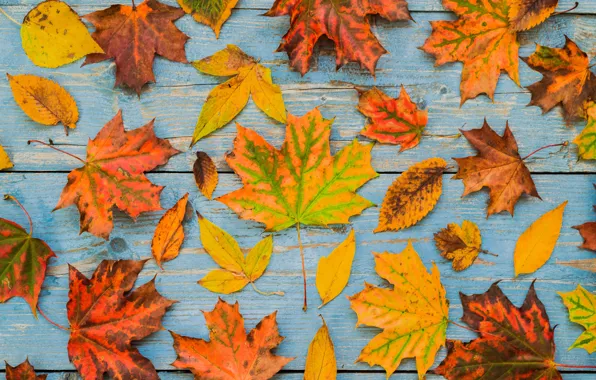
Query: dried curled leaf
{"points": [[5, 162], [535, 246], [320, 359], [44, 100], [169, 233], [413, 315], [582, 310], [345, 23], [205, 174], [412, 195], [333, 271], [23, 371], [226, 100], [513, 343], [53, 35], [113, 175], [526, 14], [392, 121], [106, 316], [497, 166], [461, 245], [567, 79], [230, 353], [211, 13], [586, 140], [132, 35]]}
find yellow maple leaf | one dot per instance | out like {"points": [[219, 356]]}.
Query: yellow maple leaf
{"points": [[582, 310]]}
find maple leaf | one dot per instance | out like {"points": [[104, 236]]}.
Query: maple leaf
{"points": [[231, 354], [345, 23], [497, 166], [513, 343], [586, 140], [23, 371], [582, 310], [526, 14], [205, 174], [459, 244], [132, 35], [484, 39], [106, 315], [413, 315], [567, 79], [211, 13], [225, 101], [393, 121], [23, 261], [113, 176], [169, 233], [412, 195]]}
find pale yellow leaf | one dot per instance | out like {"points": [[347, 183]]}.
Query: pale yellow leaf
{"points": [[221, 246], [266, 95], [5, 162], [320, 360], [223, 281], [258, 258], [333, 271]]}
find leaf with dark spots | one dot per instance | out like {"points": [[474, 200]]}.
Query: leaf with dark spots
{"points": [[23, 371], [205, 174], [231, 354], [106, 316]]}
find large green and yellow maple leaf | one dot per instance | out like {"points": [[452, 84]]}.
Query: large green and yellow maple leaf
{"points": [[582, 310]]}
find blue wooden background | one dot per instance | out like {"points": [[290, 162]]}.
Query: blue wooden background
{"points": [[176, 100]]}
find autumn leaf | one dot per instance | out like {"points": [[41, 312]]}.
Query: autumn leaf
{"points": [[169, 233], [413, 315], [567, 79], [53, 35], [225, 101], [132, 35], [44, 100], [588, 233], [535, 246], [211, 13], [230, 353], [526, 14], [5, 162], [236, 270], [586, 140], [582, 310], [205, 174], [412, 195], [106, 316], [513, 343], [461, 245], [23, 371], [333, 271], [345, 23], [392, 121], [23, 261], [497, 166], [320, 359], [113, 175]]}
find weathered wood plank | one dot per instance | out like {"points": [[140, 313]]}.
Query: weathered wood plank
{"points": [[22, 335]]}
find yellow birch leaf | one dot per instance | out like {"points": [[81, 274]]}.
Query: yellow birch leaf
{"points": [[44, 100], [53, 35], [258, 258], [223, 281], [582, 310], [169, 233], [333, 271], [5, 162], [535, 246], [320, 360], [221, 246]]}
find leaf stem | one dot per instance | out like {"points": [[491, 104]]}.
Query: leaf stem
{"points": [[9, 17], [544, 147], [305, 306], [568, 10], [575, 366], [10, 197], [278, 293], [455, 136], [488, 253], [49, 320], [53, 147]]}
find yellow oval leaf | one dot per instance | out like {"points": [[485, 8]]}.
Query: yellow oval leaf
{"points": [[333, 271], [223, 281], [535, 246], [53, 35], [5, 162], [320, 360], [44, 100], [169, 233], [221, 246], [258, 258]]}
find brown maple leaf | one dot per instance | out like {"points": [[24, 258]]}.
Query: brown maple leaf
{"points": [[345, 23], [588, 233], [23, 371], [497, 166], [132, 35], [106, 315], [113, 175], [231, 354]]}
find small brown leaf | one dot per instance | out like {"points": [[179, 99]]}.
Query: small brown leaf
{"points": [[169, 233], [459, 244], [205, 174], [588, 232], [23, 371]]}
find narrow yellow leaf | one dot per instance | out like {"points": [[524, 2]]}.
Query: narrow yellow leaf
{"points": [[258, 258], [169, 233], [333, 271], [320, 360], [221, 246], [5, 162], [535, 246], [266, 95], [53, 35], [223, 281]]}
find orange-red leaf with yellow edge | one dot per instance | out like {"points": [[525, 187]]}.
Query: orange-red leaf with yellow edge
{"points": [[132, 35], [106, 316], [513, 343], [392, 121], [526, 14], [113, 175], [231, 354], [345, 23], [169, 233], [23, 371]]}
